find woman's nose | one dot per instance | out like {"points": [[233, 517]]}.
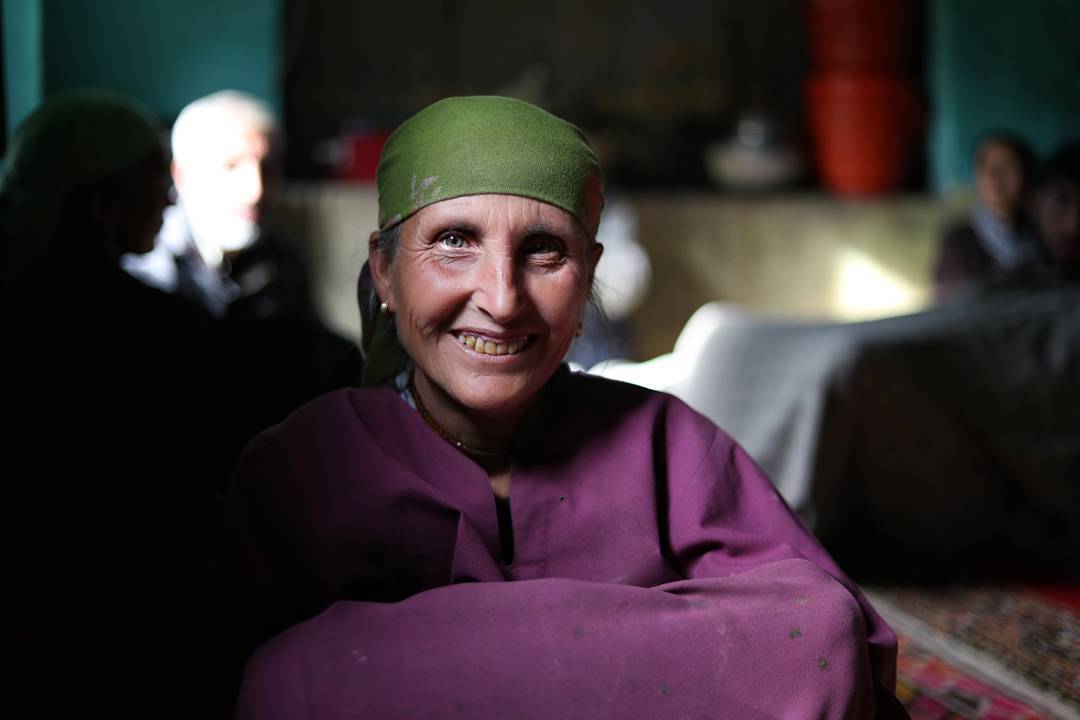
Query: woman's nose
{"points": [[499, 293]]}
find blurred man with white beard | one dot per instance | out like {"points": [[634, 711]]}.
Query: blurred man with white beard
{"points": [[218, 246]]}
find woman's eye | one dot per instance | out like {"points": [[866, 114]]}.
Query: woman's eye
{"points": [[452, 241], [543, 247]]}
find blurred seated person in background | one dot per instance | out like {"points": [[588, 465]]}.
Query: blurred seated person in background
{"points": [[488, 534], [997, 235], [106, 490], [1055, 209]]}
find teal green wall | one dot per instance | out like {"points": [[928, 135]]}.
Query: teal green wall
{"points": [[23, 76], [163, 52], [1001, 64]]}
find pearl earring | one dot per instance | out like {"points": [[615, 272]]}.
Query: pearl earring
{"points": [[384, 309]]}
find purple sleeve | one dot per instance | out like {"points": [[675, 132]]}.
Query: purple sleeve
{"points": [[537, 649], [726, 518]]}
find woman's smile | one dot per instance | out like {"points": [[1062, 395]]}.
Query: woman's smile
{"points": [[491, 345]]}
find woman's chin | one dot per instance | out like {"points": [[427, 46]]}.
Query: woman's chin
{"points": [[491, 397], [490, 402], [499, 393]]}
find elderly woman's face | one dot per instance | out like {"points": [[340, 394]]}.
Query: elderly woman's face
{"points": [[488, 291]]}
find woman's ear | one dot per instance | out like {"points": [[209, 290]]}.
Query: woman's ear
{"points": [[379, 263], [595, 252]]}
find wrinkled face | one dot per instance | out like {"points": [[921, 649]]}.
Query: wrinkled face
{"points": [[999, 180], [226, 186], [488, 291], [1055, 210]]}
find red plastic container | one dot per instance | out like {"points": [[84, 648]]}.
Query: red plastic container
{"points": [[360, 155], [862, 125], [859, 35]]}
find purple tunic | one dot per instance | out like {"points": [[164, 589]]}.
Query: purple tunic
{"points": [[657, 573]]}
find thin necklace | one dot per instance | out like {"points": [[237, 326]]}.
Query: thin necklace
{"points": [[475, 453]]}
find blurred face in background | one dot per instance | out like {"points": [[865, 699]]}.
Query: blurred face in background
{"points": [[999, 180], [225, 185], [1055, 210]]}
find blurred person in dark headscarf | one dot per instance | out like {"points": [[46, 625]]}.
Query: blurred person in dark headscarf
{"points": [[85, 180], [1055, 209], [105, 496]]}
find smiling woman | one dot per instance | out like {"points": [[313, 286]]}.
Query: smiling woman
{"points": [[484, 533], [490, 291]]}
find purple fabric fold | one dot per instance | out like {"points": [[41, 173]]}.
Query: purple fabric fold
{"points": [[781, 640], [657, 574]]}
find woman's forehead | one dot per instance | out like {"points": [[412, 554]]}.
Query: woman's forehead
{"points": [[495, 211]]}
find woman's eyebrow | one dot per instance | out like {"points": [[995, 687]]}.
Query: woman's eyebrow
{"points": [[542, 228], [455, 225]]}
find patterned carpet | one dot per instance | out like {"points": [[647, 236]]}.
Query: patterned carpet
{"points": [[1006, 653]]}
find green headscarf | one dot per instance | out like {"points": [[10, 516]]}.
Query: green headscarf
{"points": [[479, 145], [71, 139], [474, 146]]}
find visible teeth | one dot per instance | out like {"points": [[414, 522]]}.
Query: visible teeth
{"points": [[490, 347]]}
